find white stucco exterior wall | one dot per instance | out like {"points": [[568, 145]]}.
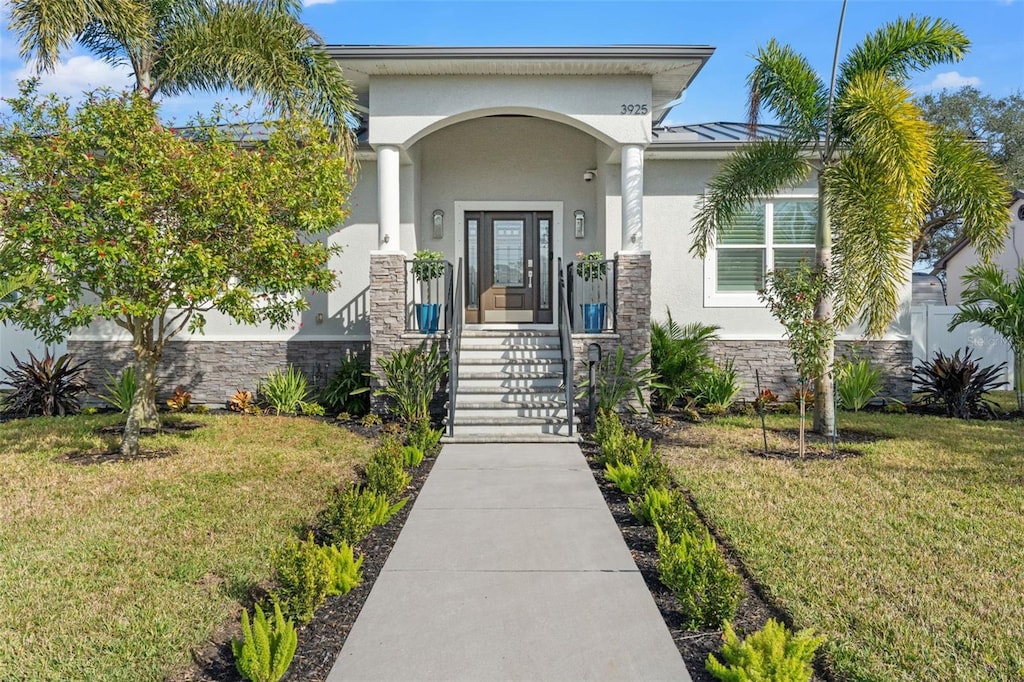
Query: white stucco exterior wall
{"points": [[1010, 258]]}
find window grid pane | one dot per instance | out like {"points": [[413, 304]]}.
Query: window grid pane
{"points": [[740, 270], [786, 259], [794, 222], [746, 228]]}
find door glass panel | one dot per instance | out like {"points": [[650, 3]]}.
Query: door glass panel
{"points": [[508, 253], [545, 262], [473, 285]]}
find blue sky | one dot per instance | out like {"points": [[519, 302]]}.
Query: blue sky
{"points": [[995, 64]]}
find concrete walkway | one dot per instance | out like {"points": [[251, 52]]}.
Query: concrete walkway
{"points": [[510, 567]]}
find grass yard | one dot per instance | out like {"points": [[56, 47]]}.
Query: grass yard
{"points": [[116, 571], [909, 558]]}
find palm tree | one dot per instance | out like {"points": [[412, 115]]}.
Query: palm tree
{"points": [[990, 300], [877, 163], [174, 46]]}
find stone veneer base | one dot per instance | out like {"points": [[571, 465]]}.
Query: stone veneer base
{"points": [[213, 370], [779, 375]]}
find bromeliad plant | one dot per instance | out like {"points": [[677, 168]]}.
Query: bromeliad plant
{"points": [[957, 384], [49, 387]]}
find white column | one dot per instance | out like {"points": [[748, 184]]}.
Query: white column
{"points": [[388, 199], [632, 197]]}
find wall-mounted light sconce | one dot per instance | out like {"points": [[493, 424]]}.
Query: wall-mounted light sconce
{"points": [[438, 223], [580, 223]]}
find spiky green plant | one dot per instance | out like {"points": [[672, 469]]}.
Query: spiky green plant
{"points": [[266, 650], [345, 570], [284, 391], [119, 391], [878, 166], [625, 475], [679, 355]]}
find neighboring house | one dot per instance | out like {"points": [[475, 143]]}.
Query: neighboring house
{"points": [[953, 265], [511, 161]]}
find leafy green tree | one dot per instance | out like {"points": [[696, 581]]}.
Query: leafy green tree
{"points": [[997, 127], [990, 299], [254, 46], [134, 223], [877, 163], [15, 281]]}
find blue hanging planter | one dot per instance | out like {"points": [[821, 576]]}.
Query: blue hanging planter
{"points": [[593, 317]]}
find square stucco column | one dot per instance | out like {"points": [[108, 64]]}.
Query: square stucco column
{"points": [[633, 305], [387, 309]]}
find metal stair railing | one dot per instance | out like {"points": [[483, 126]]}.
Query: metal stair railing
{"points": [[455, 319], [565, 341]]}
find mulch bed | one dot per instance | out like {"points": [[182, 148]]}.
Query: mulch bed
{"points": [[694, 647], [165, 427], [320, 641], [111, 457]]}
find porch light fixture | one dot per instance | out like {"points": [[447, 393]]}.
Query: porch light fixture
{"points": [[438, 223], [580, 223]]}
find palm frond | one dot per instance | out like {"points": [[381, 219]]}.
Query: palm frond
{"points": [[873, 231], [885, 128], [968, 183], [265, 52], [902, 46], [756, 170], [46, 28], [991, 300], [784, 83]]}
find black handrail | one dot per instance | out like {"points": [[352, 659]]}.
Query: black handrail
{"points": [[565, 341], [454, 319], [436, 290]]}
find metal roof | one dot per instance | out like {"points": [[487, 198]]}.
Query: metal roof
{"points": [[717, 133]]}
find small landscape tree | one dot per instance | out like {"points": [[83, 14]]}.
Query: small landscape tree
{"points": [[150, 228], [791, 295]]}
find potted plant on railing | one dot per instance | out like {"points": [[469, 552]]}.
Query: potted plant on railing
{"points": [[592, 268], [426, 267]]}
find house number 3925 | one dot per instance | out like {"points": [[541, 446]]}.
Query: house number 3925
{"points": [[633, 109]]}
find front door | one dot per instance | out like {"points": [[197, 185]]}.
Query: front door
{"points": [[509, 266]]}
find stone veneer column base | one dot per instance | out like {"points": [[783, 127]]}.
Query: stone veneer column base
{"points": [[213, 370], [387, 312], [778, 373]]}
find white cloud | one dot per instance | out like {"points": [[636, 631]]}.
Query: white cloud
{"points": [[79, 74], [950, 80]]}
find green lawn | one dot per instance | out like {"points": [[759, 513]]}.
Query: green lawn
{"points": [[116, 571], [910, 558]]}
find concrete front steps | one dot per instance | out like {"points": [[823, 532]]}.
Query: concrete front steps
{"points": [[510, 388]]}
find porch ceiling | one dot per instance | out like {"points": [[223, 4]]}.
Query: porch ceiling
{"points": [[671, 67]]}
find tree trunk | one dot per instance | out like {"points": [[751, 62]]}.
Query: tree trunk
{"points": [[824, 403], [1018, 377], [143, 412]]}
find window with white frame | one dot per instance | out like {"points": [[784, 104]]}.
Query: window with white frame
{"points": [[766, 235]]}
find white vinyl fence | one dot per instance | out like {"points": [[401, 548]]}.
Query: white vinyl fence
{"points": [[929, 325]]}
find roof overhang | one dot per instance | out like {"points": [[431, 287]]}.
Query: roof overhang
{"points": [[671, 67]]}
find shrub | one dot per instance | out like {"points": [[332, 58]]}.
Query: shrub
{"points": [[957, 384], [345, 571], [311, 408], [677, 517], [412, 456], [679, 355], [857, 382], [717, 388], [120, 391], [411, 376], [651, 469], [351, 376], [354, 512], [772, 654], [610, 436], [647, 508], [284, 391], [894, 406], [385, 472], [303, 575], [616, 380], [48, 387], [242, 401], [707, 588], [179, 400], [625, 475], [370, 420], [424, 437], [265, 651]]}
